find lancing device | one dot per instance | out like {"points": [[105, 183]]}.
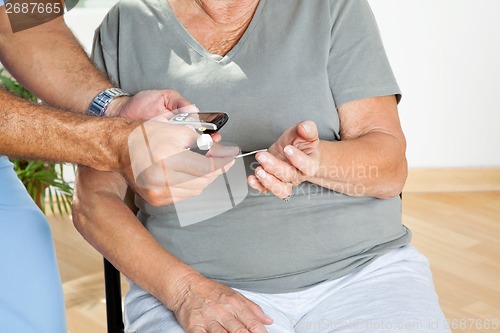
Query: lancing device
{"points": [[205, 123], [203, 144]]}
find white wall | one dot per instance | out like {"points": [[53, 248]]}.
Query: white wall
{"points": [[446, 56], [84, 21]]}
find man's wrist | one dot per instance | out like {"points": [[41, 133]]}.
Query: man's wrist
{"points": [[118, 139], [100, 104], [116, 106]]}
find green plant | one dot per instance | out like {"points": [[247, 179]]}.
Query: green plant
{"points": [[43, 180]]}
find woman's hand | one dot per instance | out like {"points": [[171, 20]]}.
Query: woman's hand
{"points": [[206, 306], [291, 160]]}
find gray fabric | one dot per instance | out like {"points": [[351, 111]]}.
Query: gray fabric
{"points": [[297, 60]]}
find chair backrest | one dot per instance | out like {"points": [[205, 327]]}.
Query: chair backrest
{"points": [[114, 313]]}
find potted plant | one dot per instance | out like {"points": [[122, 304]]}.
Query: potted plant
{"points": [[44, 181]]}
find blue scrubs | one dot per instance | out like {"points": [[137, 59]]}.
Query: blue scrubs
{"points": [[31, 295]]}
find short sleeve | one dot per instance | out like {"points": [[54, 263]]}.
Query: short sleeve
{"points": [[358, 66], [1, 3], [103, 52]]}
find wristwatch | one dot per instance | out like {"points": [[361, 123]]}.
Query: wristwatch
{"points": [[101, 102]]}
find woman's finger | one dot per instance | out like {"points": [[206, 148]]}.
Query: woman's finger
{"points": [[233, 324], [306, 164], [215, 327], [255, 318], [272, 184], [282, 170], [256, 185]]}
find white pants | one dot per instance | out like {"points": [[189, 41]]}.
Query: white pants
{"points": [[395, 293]]}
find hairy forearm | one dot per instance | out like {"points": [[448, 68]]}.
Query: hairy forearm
{"points": [[37, 132], [50, 62], [371, 165], [110, 226]]}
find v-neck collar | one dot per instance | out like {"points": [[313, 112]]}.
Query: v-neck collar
{"points": [[184, 34]]}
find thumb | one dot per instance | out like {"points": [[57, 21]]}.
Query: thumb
{"points": [[308, 130]]}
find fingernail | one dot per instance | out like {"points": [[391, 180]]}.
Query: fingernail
{"points": [[261, 173], [288, 150], [262, 158], [306, 128]]}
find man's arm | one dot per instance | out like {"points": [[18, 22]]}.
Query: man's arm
{"points": [[50, 62], [38, 132]]}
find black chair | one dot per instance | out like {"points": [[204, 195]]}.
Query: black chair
{"points": [[114, 313]]}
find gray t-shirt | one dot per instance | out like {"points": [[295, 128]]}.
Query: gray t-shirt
{"points": [[297, 60]]}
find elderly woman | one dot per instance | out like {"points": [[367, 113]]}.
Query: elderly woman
{"points": [[335, 258]]}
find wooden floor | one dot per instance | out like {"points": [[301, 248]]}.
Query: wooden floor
{"points": [[455, 218]]}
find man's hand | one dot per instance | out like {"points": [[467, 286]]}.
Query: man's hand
{"points": [[289, 161], [202, 305], [163, 170], [156, 162], [149, 104]]}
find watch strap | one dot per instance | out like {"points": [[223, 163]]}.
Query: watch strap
{"points": [[101, 102]]}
